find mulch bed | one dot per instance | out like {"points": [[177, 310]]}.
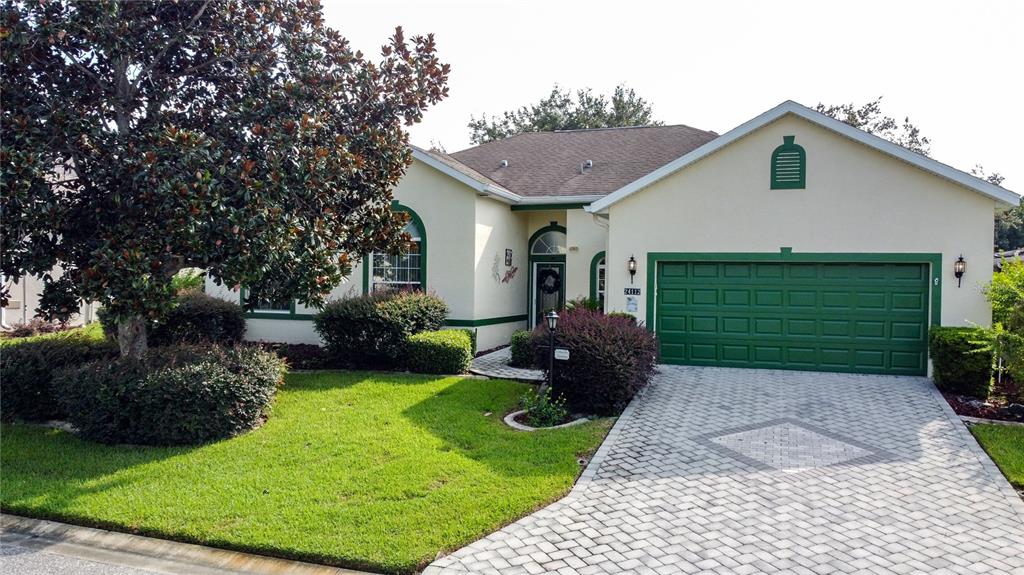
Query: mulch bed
{"points": [[1006, 403], [522, 419]]}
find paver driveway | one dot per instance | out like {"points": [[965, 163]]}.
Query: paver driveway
{"points": [[740, 471]]}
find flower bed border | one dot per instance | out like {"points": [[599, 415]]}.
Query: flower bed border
{"points": [[510, 420]]}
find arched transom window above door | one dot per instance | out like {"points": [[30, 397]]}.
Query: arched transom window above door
{"points": [[549, 243]]}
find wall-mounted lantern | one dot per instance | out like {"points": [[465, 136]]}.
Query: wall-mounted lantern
{"points": [[631, 266], [959, 267]]}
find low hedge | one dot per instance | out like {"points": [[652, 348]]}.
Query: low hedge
{"points": [[444, 351], [522, 349], [611, 358], [195, 318], [961, 360], [28, 365], [176, 395], [372, 330]]}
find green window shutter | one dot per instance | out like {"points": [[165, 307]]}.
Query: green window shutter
{"points": [[789, 166]]}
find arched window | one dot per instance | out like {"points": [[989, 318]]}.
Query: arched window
{"points": [[549, 243], [407, 270], [789, 165], [597, 278]]}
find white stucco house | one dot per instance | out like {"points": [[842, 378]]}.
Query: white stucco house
{"points": [[792, 241]]}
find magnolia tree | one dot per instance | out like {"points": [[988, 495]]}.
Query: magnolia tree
{"points": [[245, 138]]}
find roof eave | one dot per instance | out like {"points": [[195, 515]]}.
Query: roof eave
{"points": [[997, 193], [480, 186]]}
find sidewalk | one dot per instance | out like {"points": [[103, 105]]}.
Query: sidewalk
{"points": [[36, 547]]}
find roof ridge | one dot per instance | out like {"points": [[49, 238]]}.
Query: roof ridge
{"points": [[608, 128]]}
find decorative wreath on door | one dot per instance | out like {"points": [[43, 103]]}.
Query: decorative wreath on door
{"points": [[549, 281]]}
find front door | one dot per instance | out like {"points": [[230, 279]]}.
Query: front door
{"points": [[548, 289]]}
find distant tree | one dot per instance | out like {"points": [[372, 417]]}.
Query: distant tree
{"points": [[1009, 230], [242, 137], [869, 117], [561, 111]]}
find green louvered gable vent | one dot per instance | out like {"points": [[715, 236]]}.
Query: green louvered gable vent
{"points": [[789, 166]]}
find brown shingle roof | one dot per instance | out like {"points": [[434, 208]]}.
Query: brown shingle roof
{"points": [[548, 163], [451, 162]]}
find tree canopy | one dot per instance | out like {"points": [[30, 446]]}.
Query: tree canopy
{"points": [[562, 110], [245, 138]]}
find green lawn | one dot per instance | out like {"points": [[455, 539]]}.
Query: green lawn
{"points": [[366, 470], [1005, 445]]}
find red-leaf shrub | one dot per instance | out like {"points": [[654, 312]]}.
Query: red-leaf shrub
{"points": [[611, 358]]}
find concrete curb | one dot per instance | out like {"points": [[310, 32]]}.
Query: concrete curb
{"points": [[159, 555], [1002, 484], [510, 420], [983, 421]]}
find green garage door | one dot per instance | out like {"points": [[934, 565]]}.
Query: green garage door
{"points": [[868, 318]]}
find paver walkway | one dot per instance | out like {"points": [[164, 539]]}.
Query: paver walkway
{"points": [[495, 364], [737, 471]]}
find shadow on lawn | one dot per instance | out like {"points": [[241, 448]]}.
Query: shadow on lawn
{"points": [[37, 458], [456, 415]]}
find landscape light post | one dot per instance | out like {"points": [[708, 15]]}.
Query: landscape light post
{"points": [[552, 319]]}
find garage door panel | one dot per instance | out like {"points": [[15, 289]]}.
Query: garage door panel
{"points": [[838, 317], [704, 324], [869, 329], [736, 297], [801, 327], [908, 301], [704, 297], [739, 353], [835, 328], [903, 330], [736, 325], [768, 298], [803, 299]]}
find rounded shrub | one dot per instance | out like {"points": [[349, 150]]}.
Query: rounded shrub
{"points": [[522, 349], [199, 318], [611, 358], [372, 330], [176, 395], [961, 360], [444, 351], [195, 318], [27, 368]]}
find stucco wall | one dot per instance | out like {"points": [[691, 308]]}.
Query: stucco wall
{"points": [[856, 200], [448, 209], [499, 290], [585, 238], [24, 299]]}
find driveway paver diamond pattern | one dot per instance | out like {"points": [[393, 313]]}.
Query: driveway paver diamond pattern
{"points": [[719, 470]]}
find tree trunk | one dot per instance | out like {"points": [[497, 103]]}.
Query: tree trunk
{"points": [[131, 336]]}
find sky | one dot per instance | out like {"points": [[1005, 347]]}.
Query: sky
{"points": [[956, 69]]}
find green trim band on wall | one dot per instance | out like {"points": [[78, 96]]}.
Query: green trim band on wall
{"points": [[594, 263], [542, 207], [486, 321], [271, 315], [786, 255], [447, 322]]}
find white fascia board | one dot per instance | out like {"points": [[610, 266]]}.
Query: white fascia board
{"points": [[925, 163], [542, 200], [482, 187]]}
